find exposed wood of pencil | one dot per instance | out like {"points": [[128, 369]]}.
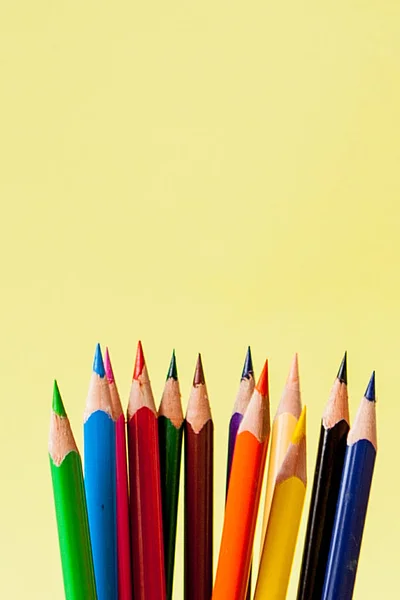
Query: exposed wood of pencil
{"points": [[328, 473], [244, 496], [245, 392], [352, 503], [100, 481], [170, 429], [122, 491], [145, 488], [283, 426], [284, 520], [70, 504], [198, 492]]}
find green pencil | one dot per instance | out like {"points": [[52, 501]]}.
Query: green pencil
{"points": [[70, 503], [170, 428]]}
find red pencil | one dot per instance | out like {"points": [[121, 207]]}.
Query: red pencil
{"points": [[198, 491], [123, 529], [145, 485]]}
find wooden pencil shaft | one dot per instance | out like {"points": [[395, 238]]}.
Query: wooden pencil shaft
{"points": [[100, 486], [145, 507], [328, 473], [234, 424], [240, 518], [198, 512], [280, 540], [349, 521], [73, 528], [123, 525], [170, 440]]}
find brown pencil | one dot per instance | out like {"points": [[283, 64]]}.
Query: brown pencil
{"points": [[199, 433]]}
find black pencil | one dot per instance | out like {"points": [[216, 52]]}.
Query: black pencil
{"points": [[328, 472]]}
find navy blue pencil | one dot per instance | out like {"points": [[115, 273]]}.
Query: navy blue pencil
{"points": [[100, 480], [243, 397], [352, 503]]}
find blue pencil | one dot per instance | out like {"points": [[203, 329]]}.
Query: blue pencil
{"points": [[100, 480], [352, 503]]}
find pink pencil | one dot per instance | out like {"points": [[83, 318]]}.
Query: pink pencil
{"points": [[123, 528]]}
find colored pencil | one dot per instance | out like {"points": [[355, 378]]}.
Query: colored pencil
{"points": [[243, 397], [198, 491], [352, 503], [145, 486], [70, 504], [123, 529], [284, 519], [170, 431], [244, 496], [100, 480], [328, 473], [283, 426]]}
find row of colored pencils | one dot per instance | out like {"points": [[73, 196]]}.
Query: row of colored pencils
{"points": [[117, 522]]}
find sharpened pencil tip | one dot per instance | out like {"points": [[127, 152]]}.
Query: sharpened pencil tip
{"points": [[199, 373], [139, 362], [108, 367], [248, 370], [370, 391], [98, 365], [172, 371], [57, 405], [293, 376], [263, 383], [342, 373]]}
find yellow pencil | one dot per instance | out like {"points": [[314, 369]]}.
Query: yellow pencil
{"points": [[284, 520], [283, 427]]}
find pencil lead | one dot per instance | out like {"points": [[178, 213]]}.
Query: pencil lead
{"points": [[370, 392], [139, 362], [199, 373], [294, 370], [248, 370], [57, 405], [342, 373], [98, 365], [263, 383], [108, 367], [173, 371], [300, 430]]}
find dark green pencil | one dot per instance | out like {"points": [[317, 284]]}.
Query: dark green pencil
{"points": [[170, 428]]}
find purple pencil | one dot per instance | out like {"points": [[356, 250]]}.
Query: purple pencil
{"points": [[244, 394]]}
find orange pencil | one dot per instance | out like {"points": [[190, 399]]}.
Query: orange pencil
{"points": [[244, 496]]}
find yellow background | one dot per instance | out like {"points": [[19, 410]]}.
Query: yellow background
{"points": [[201, 175]]}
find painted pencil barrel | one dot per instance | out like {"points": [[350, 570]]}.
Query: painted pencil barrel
{"points": [[234, 424], [329, 467], [240, 519], [170, 440], [349, 521], [145, 507], [281, 535], [123, 526], [73, 529], [100, 485], [198, 512]]}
